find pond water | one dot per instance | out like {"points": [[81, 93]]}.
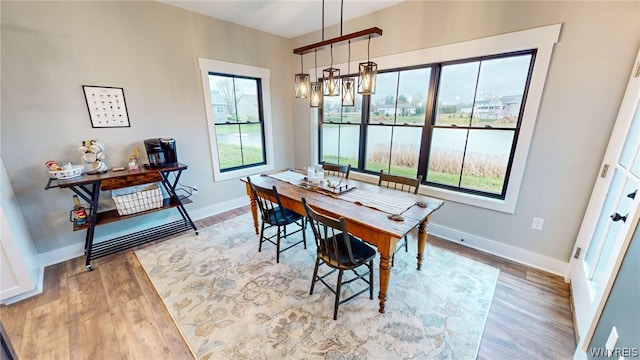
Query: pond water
{"points": [[491, 143]]}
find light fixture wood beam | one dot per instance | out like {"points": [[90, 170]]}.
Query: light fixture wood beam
{"points": [[356, 36]]}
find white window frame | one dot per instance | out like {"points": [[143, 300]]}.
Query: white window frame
{"points": [[543, 39], [207, 66]]}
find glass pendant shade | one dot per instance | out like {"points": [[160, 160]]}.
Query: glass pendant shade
{"points": [[302, 86], [367, 78], [348, 92], [331, 81], [315, 99]]}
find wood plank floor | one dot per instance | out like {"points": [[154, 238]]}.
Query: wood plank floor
{"points": [[114, 312]]}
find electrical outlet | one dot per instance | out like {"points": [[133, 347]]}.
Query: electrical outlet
{"points": [[537, 224]]}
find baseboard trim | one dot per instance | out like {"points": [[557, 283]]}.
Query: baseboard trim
{"points": [[219, 208], [525, 257]]}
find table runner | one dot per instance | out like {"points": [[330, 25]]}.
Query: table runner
{"points": [[385, 203], [289, 176]]}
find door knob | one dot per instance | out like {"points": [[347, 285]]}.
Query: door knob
{"points": [[633, 194], [618, 217]]}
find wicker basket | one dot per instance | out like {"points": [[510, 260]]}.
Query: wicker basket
{"points": [[76, 170], [137, 199]]}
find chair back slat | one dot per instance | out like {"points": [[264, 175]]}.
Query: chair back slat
{"points": [[340, 171], [401, 183], [331, 236], [268, 202]]}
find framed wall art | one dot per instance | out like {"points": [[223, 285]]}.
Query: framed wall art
{"points": [[107, 107]]}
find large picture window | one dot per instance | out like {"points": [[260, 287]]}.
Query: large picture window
{"points": [[238, 112], [463, 122], [463, 142]]}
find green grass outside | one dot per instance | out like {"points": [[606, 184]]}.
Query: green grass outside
{"points": [[231, 156], [490, 185]]}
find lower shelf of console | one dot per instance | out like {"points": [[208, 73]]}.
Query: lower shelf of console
{"points": [[120, 243]]}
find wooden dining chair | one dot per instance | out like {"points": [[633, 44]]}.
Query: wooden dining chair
{"points": [[273, 214], [340, 171], [401, 183], [340, 251]]}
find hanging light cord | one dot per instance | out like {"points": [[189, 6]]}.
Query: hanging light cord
{"points": [[331, 49], [349, 60], [316, 63], [341, 12], [322, 20]]}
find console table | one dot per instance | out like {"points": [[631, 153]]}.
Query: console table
{"points": [[88, 187]]}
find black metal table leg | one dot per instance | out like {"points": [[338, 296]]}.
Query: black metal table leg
{"points": [[171, 189]]}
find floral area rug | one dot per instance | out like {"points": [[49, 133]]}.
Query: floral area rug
{"points": [[230, 301]]}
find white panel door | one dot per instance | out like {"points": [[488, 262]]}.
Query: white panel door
{"points": [[611, 218]]}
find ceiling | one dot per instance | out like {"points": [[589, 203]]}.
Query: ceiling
{"points": [[286, 18]]}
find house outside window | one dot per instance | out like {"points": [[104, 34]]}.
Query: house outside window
{"points": [[238, 118], [464, 122]]}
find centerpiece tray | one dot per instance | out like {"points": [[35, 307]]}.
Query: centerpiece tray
{"points": [[328, 186]]}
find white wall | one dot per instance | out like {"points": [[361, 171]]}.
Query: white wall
{"points": [[584, 88], [50, 49]]}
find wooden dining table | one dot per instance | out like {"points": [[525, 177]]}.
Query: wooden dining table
{"points": [[380, 228]]}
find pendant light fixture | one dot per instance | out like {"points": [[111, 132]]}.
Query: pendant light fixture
{"points": [[348, 85], [331, 76], [331, 79], [367, 75], [315, 100], [302, 82]]}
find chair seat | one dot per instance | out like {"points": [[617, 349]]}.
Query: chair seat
{"points": [[274, 215], [281, 216], [340, 251], [361, 252]]}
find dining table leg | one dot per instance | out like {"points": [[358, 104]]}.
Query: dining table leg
{"points": [[254, 208], [385, 273], [422, 240], [386, 253]]}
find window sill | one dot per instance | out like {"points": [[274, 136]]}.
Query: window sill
{"points": [[237, 174], [462, 198]]}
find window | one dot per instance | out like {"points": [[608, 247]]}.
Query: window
{"points": [[474, 129], [238, 118], [340, 130], [396, 119], [464, 142], [464, 122]]}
